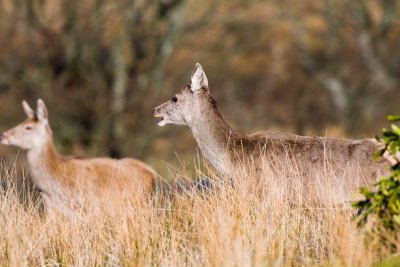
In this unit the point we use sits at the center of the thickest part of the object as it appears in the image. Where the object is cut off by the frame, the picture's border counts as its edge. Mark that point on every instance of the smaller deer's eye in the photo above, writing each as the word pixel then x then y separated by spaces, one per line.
pixel 28 128
pixel 174 99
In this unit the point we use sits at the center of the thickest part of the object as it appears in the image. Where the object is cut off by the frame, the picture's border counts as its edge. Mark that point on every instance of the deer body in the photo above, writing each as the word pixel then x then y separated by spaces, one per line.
pixel 66 181
pixel 227 149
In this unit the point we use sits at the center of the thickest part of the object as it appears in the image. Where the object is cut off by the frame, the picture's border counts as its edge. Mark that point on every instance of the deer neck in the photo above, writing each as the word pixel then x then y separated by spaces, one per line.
pixel 44 163
pixel 214 138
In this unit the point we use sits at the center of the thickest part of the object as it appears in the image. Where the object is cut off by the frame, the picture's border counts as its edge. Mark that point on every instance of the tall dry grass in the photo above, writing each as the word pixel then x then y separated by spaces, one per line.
pixel 249 220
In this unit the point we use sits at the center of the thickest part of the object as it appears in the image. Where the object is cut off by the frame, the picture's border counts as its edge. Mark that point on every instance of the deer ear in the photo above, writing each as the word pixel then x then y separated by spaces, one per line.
pixel 199 78
pixel 28 110
pixel 41 112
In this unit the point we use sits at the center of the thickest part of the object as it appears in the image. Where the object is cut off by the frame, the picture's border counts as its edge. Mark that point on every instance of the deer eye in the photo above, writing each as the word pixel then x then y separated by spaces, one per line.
pixel 28 128
pixel 174 99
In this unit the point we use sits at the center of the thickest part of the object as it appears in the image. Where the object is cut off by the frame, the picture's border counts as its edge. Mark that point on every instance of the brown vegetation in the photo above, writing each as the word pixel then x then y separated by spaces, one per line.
pixel 251 222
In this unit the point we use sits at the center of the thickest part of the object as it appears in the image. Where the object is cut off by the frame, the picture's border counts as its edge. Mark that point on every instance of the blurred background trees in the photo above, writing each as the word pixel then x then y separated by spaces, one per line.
pixel 310 67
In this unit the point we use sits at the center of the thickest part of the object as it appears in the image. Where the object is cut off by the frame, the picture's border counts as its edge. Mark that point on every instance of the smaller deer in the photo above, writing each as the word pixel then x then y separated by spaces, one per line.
pixel 65 181
pixel 227 149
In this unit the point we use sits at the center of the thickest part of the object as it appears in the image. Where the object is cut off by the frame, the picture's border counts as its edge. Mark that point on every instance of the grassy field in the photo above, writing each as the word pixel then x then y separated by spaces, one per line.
pixel 250 220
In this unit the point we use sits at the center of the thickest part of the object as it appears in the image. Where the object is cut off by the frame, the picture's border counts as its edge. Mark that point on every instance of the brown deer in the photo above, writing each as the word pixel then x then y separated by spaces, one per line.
pixel 227 149
pixel 65 181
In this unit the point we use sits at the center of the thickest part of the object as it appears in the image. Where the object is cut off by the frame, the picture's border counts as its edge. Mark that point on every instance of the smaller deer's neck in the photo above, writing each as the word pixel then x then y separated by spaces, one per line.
pixel 44 163
pixel 214 138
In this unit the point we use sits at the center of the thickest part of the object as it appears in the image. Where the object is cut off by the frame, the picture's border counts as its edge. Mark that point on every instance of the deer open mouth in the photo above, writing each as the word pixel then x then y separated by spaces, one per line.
pixel 4 140
pixel 160 120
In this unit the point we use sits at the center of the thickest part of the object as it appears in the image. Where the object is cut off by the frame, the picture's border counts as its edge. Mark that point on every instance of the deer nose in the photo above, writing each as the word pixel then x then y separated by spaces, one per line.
pixel 153 112
pixel 1 137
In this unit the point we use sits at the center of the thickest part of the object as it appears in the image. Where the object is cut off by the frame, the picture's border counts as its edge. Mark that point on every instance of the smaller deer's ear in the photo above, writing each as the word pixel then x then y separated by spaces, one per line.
pixel 41 112
pixel 199 78
pixel 28 110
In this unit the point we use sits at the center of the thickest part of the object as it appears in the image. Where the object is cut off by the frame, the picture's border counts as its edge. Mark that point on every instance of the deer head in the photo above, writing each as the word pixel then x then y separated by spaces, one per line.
pixel 31 133
pixel 188 105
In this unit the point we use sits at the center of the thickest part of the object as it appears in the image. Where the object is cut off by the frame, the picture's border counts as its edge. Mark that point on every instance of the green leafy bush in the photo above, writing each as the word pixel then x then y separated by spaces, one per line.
pixel 382 200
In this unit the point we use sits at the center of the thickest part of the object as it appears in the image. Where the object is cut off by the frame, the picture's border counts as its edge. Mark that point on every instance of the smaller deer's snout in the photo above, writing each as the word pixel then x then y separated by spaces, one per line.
pixel 153 112
pixel 2 136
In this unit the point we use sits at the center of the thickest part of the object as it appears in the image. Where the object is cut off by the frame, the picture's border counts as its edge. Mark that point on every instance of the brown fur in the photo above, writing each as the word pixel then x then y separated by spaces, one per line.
pixel 100 175
pixel 305 150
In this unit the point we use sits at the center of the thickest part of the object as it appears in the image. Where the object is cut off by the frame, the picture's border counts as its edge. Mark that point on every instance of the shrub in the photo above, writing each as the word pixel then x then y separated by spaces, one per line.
pixel 382 200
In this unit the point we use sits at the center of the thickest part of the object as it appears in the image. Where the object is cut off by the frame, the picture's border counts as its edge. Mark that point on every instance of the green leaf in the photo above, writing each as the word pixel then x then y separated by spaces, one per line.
pixel 393 118
pixel 396 129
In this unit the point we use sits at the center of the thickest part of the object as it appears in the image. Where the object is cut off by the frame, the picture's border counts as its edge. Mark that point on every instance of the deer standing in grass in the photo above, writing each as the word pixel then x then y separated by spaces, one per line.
pixel 227 149
pixel 66 181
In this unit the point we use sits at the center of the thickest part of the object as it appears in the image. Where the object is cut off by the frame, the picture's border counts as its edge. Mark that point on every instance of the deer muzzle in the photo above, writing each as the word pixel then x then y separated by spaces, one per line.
pixel 3 139
pixel 157 114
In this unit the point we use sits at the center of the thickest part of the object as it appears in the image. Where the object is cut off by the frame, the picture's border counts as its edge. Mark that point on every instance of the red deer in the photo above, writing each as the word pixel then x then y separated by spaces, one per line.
pixel 64 180
pixel 227 149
